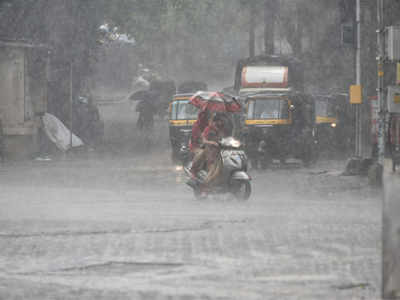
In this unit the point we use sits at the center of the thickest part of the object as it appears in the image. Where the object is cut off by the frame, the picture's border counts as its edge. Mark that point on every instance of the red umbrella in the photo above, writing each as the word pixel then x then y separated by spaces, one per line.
pixel 214 101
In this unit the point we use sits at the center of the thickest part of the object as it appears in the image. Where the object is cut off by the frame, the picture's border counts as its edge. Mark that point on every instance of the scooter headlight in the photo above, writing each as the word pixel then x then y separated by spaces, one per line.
pixel 235 143
pixel 333 125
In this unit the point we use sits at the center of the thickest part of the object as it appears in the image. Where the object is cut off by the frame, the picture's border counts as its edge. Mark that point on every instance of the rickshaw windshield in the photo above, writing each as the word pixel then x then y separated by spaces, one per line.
pixel 264 109
pixel 324 108
pixel 183 110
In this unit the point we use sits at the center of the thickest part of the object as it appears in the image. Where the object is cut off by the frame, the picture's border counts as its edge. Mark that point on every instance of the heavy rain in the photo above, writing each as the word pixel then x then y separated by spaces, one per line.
pixel 182 149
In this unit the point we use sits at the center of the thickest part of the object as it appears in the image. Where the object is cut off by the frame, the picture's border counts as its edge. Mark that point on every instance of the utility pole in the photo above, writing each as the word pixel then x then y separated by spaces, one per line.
pixel 355 164
pixel 381 99
pixel 270 9
pixel 252 29
pixel 71 101
pixel 358 143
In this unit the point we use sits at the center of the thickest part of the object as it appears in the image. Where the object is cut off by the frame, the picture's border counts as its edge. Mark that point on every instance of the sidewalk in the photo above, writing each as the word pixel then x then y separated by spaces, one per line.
pixel 391 232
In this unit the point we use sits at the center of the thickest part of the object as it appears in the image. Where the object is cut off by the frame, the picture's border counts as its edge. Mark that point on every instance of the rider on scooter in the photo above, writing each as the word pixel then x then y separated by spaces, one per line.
pixel 211 135
pixel 195 144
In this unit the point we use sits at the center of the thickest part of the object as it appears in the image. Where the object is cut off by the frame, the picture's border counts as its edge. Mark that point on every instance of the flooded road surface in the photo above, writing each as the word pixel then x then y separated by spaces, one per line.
pixel 115 224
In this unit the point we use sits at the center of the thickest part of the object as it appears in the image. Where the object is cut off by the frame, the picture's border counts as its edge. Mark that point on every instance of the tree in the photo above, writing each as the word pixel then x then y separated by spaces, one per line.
pixel 270 12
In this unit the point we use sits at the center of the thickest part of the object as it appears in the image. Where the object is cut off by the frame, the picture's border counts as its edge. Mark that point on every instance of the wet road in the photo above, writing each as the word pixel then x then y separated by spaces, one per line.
pixel 107 226
pixel 123 229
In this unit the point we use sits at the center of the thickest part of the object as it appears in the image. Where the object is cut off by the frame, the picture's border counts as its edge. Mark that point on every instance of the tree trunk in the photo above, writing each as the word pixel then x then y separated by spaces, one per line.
pixel 270 10
pixel 252 29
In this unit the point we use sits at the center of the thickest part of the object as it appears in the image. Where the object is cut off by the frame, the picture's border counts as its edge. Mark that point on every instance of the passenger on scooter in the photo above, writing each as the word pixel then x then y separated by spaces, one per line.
pixel 195 144
pixel 211 135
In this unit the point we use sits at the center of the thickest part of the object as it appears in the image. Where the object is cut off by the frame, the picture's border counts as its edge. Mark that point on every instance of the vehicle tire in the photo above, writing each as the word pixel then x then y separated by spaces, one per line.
pixel 241 189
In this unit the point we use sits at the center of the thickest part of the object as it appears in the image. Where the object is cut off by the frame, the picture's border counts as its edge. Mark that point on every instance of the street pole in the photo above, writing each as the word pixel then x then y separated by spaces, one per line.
pixel 358 150
pixel 70 104
pixel 381 99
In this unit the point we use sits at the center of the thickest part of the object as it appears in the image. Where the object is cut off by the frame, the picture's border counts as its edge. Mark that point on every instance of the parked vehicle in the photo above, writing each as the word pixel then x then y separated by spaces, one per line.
pixel 182 115
pixel 233 176
pixel 279 121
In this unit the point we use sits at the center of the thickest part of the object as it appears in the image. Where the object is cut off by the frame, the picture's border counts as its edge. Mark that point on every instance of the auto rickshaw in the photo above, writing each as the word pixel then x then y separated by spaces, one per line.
pixel 182 116
pixel 280 118
pixel 333 118
pixel 327 121
pixel 278 126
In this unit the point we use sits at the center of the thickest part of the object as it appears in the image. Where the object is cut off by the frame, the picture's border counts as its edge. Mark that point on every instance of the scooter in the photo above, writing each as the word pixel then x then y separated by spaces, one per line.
pixel 234 178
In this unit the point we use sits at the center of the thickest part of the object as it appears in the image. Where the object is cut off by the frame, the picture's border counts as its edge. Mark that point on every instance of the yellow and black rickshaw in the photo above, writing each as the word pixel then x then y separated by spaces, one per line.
pixel 278 126
pixel 182 116
pixel 279 118
pixel 331 117
pixel 326 113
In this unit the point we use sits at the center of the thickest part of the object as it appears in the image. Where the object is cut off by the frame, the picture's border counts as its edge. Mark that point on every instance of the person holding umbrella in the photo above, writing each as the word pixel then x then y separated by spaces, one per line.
pixel 208 102
pixel 195 143
pixel 213 133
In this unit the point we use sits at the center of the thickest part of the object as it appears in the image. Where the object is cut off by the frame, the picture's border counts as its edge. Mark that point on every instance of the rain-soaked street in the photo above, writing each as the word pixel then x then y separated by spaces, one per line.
pixel 118 223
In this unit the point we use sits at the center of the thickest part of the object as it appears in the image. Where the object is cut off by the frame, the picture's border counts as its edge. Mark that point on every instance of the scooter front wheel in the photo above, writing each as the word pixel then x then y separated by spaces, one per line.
pixel 198 194
pixel 241 189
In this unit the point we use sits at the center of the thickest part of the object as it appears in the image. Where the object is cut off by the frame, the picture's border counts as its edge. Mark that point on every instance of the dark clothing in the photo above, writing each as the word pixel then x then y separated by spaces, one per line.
pixel 146 114
pixel 87 123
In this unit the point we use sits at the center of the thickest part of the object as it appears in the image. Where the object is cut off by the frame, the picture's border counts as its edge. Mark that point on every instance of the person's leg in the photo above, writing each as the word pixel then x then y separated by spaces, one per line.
pixel 214 172
pixel 198 160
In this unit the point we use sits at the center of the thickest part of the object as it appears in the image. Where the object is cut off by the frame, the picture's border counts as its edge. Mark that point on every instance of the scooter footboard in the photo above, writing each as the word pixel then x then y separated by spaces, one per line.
pixel 240 175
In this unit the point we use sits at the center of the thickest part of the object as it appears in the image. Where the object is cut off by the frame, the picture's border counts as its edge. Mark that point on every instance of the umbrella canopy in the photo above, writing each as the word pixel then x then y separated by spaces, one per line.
pixel 214 101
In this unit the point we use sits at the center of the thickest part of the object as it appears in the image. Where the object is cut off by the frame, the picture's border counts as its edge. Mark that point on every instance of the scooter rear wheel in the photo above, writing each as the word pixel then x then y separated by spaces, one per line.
pixel 241 190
